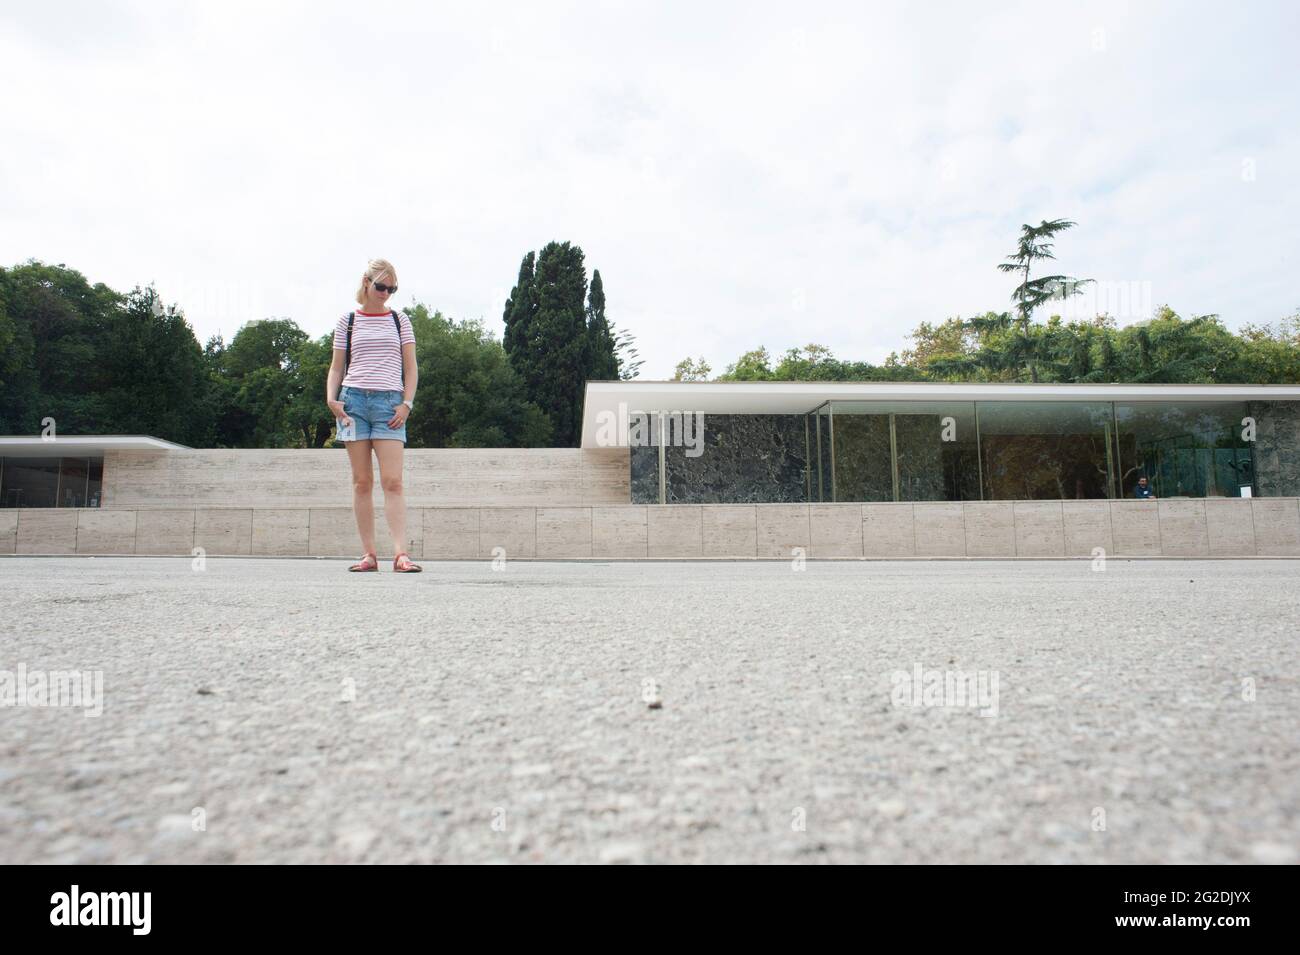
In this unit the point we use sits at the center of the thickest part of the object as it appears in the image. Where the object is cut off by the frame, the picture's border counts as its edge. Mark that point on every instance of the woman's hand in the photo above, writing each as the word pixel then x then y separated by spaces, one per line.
pixel 336 408
pixel 400 414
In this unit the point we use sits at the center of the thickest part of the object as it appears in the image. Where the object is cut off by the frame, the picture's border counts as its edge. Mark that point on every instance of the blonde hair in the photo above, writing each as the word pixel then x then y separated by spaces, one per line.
pixel 377 269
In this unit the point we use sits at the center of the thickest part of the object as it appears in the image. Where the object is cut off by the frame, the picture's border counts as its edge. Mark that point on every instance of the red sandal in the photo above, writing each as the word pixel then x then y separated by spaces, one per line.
pixel 369 563
pixel 407 566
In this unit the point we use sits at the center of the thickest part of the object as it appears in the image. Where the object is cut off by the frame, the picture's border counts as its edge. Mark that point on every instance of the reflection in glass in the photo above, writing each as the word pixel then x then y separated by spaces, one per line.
pixel 29 482
pixel 863 470
pixel 51 482
pixel 905 451
pixel 94 482
pixel 1046 450
pixel 821 436
pixel 1184 449
pixel 72 482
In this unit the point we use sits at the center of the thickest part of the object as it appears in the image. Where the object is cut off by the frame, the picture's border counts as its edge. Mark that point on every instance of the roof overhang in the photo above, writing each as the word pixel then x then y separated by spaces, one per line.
pixel 611 402
pixel 25 446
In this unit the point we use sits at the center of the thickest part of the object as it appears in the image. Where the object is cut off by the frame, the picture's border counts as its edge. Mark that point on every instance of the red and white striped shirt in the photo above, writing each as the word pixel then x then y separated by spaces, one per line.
pixel 376 350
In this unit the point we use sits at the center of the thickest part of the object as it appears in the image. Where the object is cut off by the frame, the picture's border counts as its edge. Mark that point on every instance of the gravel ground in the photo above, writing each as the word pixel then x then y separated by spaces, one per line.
pixel 302 714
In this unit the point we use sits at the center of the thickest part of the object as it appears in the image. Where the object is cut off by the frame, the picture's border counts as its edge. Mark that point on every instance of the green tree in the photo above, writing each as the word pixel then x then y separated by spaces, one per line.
pixel 812 362
pixel 559 340
pixel 1168 349
pixel 96 361
pixel 601 347
pixel 558 336
pixel 1271 352
pixel 1035 245
pixel 629 360
pixel 309 365
pixel 752 366
pixel 229 423
pixel 690 370
pixel 150 374
pixel 19 383
pixel 469 395
pixel 59 320
pixel 267 343
pixel 262 397
pixel 520 310
pixel 950 338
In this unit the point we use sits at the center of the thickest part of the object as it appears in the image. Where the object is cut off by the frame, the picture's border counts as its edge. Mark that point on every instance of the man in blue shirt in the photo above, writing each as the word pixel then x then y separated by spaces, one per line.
pixel 1143 489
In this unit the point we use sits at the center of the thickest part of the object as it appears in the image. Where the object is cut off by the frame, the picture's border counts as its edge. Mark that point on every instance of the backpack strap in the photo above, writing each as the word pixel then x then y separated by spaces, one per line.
pixel 347 353
pixel 400 358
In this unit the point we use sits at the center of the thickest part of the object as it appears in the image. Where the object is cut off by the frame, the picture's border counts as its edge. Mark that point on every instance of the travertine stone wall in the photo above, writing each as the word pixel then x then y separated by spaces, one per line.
pixel 431 476
pixel 1187 527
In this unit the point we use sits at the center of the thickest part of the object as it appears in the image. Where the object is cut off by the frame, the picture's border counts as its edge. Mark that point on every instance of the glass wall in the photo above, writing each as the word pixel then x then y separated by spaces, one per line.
pixel 863 461
pixel 1046 450
pixel 1185 449
pixel 51 482
pixel 1027 450
pixel 94 482
pixel 823 474
pixel 899 451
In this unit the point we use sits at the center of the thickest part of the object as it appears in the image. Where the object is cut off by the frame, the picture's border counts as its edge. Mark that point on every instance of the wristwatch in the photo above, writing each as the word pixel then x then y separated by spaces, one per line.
pixel 410 406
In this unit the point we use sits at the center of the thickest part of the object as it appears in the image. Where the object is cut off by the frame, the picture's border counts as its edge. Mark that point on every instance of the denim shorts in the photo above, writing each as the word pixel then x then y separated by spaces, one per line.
pixel 372 410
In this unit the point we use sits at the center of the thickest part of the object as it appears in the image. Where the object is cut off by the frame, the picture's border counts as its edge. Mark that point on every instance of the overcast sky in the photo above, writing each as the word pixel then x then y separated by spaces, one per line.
pixel 742 176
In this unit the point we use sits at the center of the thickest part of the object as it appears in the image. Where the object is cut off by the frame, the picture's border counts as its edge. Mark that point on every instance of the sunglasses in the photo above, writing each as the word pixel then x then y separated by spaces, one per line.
pixel 381 287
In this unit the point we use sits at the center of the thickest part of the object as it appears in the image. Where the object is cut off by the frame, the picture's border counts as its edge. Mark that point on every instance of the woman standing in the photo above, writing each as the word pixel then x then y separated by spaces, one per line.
pixel 378 377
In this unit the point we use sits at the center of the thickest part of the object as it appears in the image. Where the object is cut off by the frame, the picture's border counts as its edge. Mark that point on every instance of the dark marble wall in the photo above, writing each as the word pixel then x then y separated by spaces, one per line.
pixel 645 475
pixel 920 457
pixel 862 458
pixel 745 459
pixel 862 469
pixel 1277 447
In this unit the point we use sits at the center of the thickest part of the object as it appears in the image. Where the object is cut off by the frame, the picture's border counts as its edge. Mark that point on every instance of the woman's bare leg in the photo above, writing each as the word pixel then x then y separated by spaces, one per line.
pixel 363 484
pixel 389 452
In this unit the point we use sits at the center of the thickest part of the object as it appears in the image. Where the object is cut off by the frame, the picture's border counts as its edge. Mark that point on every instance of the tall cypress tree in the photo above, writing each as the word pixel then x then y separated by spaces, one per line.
pixel 559 347
pixel 558 337
pixel 520 310
pixel 600 339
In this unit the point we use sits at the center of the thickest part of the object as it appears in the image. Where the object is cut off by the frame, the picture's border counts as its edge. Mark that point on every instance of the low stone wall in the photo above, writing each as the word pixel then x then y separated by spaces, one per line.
pixel 1183 527
pixel 285 479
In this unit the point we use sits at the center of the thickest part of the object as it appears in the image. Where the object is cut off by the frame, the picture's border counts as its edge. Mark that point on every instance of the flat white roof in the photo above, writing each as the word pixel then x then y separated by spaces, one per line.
pixel 27 446
pixel 603 398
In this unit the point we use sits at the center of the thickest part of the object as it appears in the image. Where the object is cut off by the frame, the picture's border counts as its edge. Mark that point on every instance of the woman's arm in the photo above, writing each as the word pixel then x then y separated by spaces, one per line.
pixel 412 376
pixel 410 371
pixel 332 382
